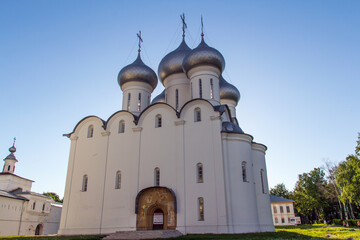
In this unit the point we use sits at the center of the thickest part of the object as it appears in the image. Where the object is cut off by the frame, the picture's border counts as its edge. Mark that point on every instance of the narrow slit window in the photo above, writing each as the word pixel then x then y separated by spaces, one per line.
pixel 9 168
pixel 90 131
pixel 128 102
pixel 33 206
pixel 139 102
pixel 262 180
pixel 121 126
pixel 199 172
pixel 191 90
pixel 243 168
pixel 200 88
pixel 157 176
pixel 85 183
pixel 118 180
pixel 177 99
pixel 211 89
pixel 148 103
pixel 201 208
pixel 43 207
pixel 197 115
pixel 158 121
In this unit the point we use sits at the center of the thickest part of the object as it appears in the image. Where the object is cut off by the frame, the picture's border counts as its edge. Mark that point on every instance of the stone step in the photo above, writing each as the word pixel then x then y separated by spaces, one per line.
pixel 143 234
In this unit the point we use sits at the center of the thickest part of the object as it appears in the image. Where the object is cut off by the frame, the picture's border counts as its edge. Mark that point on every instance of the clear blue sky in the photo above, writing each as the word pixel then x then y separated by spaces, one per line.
pixel 296 64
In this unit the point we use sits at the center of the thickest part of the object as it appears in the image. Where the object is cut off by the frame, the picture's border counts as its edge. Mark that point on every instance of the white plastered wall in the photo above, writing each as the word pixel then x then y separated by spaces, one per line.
pixel 82 210
pixel 262 198
pixel 179 82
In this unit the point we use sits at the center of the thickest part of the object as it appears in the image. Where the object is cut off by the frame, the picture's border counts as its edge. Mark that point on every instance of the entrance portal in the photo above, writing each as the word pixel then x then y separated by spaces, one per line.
pixel 155 208
pixel 39 229
pixel 158 219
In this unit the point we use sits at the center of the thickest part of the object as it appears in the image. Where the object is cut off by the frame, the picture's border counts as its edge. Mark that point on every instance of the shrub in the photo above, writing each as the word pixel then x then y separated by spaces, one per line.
pixel 352 222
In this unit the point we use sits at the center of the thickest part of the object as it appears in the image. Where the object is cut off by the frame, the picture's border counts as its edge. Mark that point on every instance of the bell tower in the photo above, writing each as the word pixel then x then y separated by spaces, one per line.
pixel 10 160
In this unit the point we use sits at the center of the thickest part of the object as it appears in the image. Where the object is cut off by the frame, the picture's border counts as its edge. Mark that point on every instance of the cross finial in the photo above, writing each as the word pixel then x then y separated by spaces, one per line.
pixel 140 40
pixel 14 141
pixel 184 24
pixel 202 28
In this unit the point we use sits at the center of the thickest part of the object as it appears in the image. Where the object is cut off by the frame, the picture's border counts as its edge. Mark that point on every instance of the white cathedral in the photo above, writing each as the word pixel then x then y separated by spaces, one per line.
pixel 180 162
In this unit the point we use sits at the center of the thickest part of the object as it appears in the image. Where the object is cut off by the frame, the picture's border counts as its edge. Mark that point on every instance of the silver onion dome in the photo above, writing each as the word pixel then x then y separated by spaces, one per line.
pixel 12 149
pixel 137 72
pixel 159 98
pixel 203 55
pixel 228 91
pixel 172 62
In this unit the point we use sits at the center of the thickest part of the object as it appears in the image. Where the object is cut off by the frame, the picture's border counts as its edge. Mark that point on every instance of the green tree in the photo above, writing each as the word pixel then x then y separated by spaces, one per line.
pixel 347 178
pixel 53 196
pixel 310 195
pixel 280 191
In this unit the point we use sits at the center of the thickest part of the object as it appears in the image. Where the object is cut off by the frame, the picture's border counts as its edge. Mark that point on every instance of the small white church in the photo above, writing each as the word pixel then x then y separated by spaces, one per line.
pixel 180 162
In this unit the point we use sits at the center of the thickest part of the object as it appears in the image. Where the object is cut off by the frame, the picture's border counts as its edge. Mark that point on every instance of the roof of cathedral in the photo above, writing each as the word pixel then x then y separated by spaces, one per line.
pixel 159 98
pixel 228 91
pixel 137 72
pixel 172 62
pixel 276 199
pixel 231 127
pixel 203 55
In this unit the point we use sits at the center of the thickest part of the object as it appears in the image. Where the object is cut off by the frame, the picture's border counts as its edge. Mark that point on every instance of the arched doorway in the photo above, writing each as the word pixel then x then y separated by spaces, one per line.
pixel 155 208
pixel 39 229
pixel 158 219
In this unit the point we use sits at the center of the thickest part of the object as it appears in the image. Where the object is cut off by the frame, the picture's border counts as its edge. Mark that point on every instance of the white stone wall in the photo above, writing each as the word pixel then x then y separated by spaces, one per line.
pixel 10 213
pixel 175 148
pixel 11 182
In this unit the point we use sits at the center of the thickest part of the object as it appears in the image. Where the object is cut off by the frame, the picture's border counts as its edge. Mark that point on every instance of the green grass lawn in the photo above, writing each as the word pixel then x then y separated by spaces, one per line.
pixel 316 232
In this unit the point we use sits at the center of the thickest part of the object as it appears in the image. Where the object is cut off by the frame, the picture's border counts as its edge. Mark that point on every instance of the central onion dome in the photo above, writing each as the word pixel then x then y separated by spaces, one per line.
pixel 203 55
pixel 228 91
pixel 137 72
pixel 172 62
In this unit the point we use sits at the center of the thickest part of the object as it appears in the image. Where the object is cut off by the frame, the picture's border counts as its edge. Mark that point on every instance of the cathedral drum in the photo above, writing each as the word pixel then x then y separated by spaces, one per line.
pixel 155 208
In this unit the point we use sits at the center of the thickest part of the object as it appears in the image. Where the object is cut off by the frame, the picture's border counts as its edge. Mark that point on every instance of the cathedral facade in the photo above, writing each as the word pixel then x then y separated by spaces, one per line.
pixel 179 162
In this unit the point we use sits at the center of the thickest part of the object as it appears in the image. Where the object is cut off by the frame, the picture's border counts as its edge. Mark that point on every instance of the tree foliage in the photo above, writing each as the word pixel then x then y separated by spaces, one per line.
pixel 348 177
pixel 280 191
pixel 53 196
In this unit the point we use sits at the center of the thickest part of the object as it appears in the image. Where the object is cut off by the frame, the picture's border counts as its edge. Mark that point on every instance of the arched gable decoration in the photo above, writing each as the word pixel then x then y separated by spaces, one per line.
pixel 82 120
pixel 145 189
pixel 219 108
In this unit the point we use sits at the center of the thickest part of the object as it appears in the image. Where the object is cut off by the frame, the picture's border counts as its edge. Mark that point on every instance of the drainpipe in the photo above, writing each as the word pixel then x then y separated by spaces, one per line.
pixel 22 210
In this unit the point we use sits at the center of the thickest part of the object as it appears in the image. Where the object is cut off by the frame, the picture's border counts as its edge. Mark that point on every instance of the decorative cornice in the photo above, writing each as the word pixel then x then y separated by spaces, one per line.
pixel 106 133
pixel 212 118
pixel 137 129
pixel 179 122
pixel 74 138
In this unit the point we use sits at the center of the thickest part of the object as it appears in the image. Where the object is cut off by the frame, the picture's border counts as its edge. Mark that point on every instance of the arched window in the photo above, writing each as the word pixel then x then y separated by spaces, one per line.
pixel 121 126
pixel 128 102
pixel 43 207
pixel 211 89
pixel 158 121
pixel 199 173
pixel 243 168
pixel 262 180
pixel 176 99
pixel 84 183
pixel 118 180
pixel 201 208
pixel 33 206
pixel 200 88
pixel 139 102
pixel 197 115
pixel 9 168
pixel 157 176
pixel 90 131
